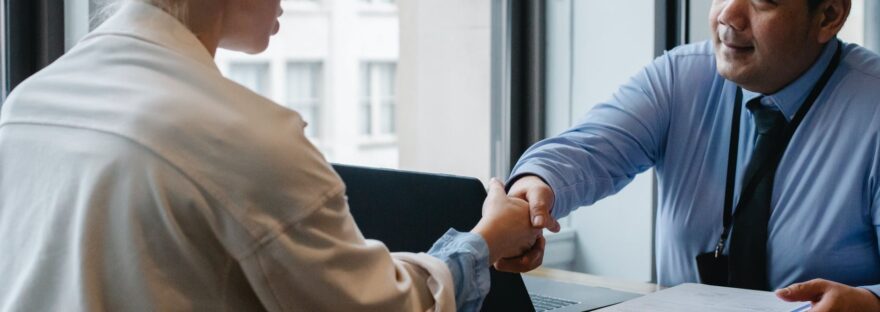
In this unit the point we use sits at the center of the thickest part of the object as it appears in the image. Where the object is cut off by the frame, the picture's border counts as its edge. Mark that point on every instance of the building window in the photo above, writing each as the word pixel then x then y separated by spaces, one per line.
pixel 304 90
pixel 254 76
pixel 377 105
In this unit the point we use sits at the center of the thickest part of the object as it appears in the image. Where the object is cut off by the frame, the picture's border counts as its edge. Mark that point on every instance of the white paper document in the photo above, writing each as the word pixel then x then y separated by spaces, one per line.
pixel 699 298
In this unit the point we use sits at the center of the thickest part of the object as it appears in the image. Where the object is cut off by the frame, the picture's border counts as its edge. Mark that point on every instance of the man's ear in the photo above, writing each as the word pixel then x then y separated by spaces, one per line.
pixel 831 15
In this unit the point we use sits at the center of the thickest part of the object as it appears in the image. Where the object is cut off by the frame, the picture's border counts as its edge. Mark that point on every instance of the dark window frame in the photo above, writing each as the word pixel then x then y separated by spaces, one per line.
pixel 33 38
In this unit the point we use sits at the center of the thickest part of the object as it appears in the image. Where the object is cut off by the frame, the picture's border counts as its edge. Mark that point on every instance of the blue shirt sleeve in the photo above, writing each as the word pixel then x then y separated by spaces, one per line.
pixel 603 152
pixel 467 256
pixel 875 213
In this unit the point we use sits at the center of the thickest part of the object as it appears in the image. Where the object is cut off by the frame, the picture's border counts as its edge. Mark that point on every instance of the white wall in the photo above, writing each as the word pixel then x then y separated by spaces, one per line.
pixel 444 86
pixel 612 40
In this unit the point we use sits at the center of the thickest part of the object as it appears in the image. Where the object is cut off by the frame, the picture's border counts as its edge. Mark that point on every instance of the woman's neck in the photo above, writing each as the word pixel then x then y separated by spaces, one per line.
pixel 205 20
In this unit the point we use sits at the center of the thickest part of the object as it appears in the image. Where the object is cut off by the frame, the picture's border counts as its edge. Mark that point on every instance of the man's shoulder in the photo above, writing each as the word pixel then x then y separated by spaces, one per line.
pixel 862 61
pixel 691 59
pixel 702 50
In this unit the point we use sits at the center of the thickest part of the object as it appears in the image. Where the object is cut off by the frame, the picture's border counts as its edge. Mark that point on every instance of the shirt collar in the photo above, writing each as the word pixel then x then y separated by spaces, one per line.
pixel 789 99
pixel 147 22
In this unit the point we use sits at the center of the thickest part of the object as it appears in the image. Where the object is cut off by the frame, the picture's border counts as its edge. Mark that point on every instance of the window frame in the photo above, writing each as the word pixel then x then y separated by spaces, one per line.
pixel 33 36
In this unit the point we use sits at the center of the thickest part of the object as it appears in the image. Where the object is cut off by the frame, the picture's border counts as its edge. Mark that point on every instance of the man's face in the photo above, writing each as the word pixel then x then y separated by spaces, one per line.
pixel 762 45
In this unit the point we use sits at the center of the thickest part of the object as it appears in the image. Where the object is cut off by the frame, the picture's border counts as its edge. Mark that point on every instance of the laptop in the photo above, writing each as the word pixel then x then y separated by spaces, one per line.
pixel 409 211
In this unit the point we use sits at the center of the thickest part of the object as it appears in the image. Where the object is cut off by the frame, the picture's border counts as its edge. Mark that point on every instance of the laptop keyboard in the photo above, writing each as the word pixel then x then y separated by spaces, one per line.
pixel 544 303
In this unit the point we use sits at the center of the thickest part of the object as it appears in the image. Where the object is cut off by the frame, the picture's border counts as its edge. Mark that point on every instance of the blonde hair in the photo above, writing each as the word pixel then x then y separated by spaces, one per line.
pixel 106 8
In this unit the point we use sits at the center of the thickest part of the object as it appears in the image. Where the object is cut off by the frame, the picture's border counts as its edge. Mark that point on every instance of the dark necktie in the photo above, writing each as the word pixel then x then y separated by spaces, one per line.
pixel 748 241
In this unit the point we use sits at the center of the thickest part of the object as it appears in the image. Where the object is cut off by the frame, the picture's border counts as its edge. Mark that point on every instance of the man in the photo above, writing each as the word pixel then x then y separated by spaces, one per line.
pixel 803 186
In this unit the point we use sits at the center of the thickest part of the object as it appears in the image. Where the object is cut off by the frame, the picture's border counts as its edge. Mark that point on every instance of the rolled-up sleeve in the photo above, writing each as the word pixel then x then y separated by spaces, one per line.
pixel 467 256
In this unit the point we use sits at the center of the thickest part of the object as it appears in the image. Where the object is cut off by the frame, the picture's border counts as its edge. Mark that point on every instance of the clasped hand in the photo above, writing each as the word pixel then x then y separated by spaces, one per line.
pixel 505 225
pixel 512 224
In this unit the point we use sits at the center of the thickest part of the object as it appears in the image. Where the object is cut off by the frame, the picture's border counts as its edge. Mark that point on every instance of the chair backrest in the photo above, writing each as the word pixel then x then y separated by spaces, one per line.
pixel 409 211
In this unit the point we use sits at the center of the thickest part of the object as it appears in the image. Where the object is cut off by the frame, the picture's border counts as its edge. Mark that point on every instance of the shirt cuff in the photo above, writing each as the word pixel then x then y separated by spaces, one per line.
pixel 874 289
pixel 560 207
pixel 467 256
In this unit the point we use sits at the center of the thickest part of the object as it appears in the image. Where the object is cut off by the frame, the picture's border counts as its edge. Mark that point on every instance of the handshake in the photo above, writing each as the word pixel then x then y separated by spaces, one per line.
pixel 512 224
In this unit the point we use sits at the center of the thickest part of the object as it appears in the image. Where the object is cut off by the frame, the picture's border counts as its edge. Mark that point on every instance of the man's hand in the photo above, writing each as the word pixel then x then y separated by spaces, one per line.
pixel 505 224
pixel 540 199
pixel 830 296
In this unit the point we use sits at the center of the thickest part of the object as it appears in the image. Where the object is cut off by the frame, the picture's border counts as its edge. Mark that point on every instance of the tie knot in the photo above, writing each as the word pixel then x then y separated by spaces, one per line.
pixel 766 119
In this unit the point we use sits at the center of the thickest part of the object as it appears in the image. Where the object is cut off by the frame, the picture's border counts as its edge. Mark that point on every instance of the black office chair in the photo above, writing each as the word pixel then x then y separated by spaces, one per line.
pixel 409 211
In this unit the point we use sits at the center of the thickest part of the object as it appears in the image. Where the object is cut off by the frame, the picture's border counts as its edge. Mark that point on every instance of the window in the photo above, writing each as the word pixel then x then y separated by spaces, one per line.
pixel 363 111
pixel 377 99
pixel 592 49
pixel 304 93
pixel 254 76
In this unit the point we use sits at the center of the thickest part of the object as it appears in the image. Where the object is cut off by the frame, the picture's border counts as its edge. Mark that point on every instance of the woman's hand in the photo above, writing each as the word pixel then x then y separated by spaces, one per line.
pixel 505 224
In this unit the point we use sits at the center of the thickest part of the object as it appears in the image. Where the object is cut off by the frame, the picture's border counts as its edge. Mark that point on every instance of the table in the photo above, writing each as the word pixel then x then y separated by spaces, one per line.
pixel 641 288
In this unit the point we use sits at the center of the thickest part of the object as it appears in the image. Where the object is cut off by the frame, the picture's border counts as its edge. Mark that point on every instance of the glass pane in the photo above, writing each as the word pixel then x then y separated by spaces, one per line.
pixel 365 83
pixel 388 116
pixel 386 79
pixel 366 118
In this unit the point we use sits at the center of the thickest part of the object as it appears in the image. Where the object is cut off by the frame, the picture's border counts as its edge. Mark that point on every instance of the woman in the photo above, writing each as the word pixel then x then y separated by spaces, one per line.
pixel 134 176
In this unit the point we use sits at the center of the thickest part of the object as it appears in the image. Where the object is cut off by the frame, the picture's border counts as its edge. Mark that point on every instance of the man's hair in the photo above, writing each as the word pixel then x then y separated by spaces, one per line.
pixel 814 4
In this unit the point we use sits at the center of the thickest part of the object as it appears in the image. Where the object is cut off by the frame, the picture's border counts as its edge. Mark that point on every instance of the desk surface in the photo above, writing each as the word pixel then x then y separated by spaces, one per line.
pixel 593 280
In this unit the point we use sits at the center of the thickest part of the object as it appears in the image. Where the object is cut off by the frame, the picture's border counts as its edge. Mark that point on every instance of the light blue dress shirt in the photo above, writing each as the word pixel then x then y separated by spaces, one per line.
pixel 467 256
pixel 675 116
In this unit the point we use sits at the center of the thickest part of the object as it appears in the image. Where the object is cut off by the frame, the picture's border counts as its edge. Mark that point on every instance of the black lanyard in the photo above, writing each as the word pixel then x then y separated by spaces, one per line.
pixel 790 129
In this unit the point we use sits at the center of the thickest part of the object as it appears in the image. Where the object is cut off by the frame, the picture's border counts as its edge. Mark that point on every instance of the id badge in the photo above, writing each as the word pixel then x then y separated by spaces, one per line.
pixel 713 268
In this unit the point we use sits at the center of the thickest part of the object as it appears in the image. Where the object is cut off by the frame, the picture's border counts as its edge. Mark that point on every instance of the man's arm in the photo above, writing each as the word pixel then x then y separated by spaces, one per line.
pixel 597 157
pixel 603 152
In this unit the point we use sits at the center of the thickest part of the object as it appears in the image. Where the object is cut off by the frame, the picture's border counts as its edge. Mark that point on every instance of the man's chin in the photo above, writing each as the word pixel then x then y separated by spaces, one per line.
pixel 734 73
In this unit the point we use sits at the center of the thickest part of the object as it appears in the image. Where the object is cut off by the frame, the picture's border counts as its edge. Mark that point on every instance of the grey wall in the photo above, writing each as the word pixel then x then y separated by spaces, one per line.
pixel 699 19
